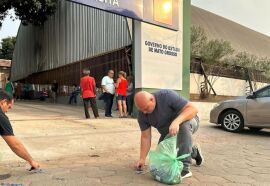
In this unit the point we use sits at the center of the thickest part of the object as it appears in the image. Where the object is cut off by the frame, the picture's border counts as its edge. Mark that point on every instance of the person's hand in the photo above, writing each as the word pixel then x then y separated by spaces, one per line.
pixel 139 164
pixel 34 164
pixel 174 128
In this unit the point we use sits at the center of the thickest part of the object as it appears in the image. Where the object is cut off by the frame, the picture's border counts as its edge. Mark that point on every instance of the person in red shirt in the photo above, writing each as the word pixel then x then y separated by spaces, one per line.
pixel 121 90
pixel 88 93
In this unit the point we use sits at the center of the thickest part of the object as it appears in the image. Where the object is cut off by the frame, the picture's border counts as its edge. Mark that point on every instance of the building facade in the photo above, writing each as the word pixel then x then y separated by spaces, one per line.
pixel 79 36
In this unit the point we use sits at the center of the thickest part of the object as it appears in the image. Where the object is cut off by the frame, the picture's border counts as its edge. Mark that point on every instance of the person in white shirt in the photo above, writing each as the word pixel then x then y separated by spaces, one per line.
pixel 108 88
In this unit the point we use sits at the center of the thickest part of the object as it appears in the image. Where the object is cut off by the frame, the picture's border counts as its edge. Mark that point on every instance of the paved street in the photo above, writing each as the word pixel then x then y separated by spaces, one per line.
pixel 74 151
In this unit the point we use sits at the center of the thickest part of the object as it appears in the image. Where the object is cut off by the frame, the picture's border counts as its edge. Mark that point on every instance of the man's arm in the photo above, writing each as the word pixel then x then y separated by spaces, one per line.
pixel 187 113
pixel 104 88
pixel 18 148
pixel 145 147
pixel 103 85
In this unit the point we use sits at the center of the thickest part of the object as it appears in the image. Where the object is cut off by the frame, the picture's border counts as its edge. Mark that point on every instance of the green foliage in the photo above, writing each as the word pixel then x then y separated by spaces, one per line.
pixel 35 12
pixel 198 40
pixel 216 50
pixel 220 52
pixel 250 61
pixel 8 45
pixel 264 65
pixel 243 59
pixel 210 51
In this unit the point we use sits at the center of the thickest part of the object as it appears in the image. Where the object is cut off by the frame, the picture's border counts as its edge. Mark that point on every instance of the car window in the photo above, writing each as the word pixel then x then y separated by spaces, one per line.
pixel 264 93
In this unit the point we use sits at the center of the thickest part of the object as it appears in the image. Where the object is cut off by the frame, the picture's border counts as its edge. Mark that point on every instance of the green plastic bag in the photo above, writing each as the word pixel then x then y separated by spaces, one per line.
pixel 164 164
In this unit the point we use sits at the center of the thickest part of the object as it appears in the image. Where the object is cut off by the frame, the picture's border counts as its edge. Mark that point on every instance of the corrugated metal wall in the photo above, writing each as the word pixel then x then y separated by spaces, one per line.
pixel 70 74
pixel 74 33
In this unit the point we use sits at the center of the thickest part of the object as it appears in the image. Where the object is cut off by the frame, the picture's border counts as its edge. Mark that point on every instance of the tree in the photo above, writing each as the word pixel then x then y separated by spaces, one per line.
pixel 210 51
pixel 35 12
pixel 216 50
pixel 243 59
pixel 264 65
pixel 217 53
pixel 198 40
pixel 251 62
pixel 8 45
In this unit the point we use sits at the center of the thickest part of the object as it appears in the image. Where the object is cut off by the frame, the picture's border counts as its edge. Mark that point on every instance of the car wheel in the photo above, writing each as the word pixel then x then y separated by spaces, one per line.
pixel 255 129
pixel 232 121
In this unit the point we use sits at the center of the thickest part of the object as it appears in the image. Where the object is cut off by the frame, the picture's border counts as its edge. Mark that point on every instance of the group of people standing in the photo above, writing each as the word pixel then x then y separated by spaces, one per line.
pixel 122 89
pixel 18 90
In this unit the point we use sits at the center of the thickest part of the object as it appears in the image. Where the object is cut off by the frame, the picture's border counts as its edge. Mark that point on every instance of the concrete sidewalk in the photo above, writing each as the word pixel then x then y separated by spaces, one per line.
pixel 75 151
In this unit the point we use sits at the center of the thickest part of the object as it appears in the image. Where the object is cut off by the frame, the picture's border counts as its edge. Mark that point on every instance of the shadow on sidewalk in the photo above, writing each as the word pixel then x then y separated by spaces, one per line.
pixel 245 131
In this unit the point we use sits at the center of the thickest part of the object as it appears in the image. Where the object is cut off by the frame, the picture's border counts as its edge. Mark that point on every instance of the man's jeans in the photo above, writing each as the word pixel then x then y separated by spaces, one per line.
pixel 108 99
pixel 184 141
pixel 73 97
pixel 130 99
pixel 93 103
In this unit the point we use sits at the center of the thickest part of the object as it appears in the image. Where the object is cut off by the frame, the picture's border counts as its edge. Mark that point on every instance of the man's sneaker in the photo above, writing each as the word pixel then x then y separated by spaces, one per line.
pixel 199 158
pixel 186 174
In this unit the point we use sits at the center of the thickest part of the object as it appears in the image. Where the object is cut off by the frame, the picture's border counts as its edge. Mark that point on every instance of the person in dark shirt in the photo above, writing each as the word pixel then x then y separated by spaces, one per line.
pixel 54 91
pixel 6 131
pixel 172 115
pixel 74 94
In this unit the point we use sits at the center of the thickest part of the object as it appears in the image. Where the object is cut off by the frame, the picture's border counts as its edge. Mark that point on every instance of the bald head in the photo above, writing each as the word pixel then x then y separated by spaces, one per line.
pixel 145 102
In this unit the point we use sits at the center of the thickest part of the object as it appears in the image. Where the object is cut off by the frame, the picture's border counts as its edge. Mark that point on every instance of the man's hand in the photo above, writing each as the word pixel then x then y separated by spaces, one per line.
pixel 139 164
pixel 104 88
pixel 34 164
pixel 18 148
pixel 145 147
pixel 174 128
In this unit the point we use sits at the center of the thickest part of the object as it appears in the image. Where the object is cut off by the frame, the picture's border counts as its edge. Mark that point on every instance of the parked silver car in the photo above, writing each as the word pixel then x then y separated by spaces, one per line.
pixel 252 111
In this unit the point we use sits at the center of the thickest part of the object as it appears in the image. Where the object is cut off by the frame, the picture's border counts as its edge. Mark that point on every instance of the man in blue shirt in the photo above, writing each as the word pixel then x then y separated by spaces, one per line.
pixel 170 114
